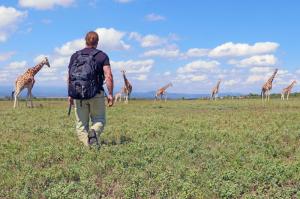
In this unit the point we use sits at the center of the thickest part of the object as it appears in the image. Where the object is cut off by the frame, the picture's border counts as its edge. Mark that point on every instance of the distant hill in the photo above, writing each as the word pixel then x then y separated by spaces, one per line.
pixel 62 92
pixel 37 91
pixel 150 95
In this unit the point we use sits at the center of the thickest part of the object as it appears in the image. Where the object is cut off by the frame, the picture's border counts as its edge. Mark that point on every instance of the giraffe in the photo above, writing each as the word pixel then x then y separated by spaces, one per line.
pixel 286 91
pixel 27 81
pixel 266 88
pixel 118 96
pixel 215 91
pixel 127 89
pixel 162 91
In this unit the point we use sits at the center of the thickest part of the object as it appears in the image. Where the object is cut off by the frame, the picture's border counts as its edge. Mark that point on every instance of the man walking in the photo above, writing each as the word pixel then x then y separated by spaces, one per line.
pixel 88 68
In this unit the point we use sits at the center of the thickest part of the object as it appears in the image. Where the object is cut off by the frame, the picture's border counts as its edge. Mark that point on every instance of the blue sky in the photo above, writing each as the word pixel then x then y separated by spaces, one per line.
pixel 189 43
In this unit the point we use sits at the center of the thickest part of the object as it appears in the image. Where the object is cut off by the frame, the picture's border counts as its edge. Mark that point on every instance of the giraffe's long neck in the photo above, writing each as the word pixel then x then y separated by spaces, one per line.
pixel 270 80
pixel 166 87
pixel 37 68
pixel 290 86
pixel 218 85
pixel 127 84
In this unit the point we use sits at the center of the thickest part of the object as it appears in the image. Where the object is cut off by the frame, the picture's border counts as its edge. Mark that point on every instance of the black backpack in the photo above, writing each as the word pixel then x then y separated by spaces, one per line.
pixel 84 78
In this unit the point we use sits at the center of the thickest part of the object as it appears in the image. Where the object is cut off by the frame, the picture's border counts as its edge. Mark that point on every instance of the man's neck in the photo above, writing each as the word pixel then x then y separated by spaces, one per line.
pixel 90 46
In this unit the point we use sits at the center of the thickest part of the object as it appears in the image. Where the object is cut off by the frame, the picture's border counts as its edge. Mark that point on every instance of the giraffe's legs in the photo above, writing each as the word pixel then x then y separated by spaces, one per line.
pixel 282 96
pixel 17 93
pixel 268 95
pixel 29 93
pixel 126 99
pixel 29 97
pixel 156 97
pixel 117 96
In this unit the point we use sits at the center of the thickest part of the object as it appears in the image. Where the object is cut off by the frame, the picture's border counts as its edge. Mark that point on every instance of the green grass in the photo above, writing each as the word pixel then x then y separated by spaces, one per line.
pixel 178 149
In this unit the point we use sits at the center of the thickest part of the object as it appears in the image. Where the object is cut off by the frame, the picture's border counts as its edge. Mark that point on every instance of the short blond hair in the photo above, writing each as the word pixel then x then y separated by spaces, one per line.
pixel 91 39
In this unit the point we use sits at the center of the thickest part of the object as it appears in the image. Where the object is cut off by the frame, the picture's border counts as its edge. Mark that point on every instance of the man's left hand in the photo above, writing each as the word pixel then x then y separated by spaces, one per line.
pixel 110 100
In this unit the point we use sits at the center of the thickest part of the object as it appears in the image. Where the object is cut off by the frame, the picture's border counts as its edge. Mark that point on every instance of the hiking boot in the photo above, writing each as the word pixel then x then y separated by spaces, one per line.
pixel 93 139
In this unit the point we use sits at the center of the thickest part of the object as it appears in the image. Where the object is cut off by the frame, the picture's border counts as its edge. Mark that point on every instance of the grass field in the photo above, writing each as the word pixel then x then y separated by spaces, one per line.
pixel 178 149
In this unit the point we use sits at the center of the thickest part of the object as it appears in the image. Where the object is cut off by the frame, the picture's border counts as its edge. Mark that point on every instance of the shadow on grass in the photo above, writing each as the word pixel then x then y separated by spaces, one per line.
pixel 116 140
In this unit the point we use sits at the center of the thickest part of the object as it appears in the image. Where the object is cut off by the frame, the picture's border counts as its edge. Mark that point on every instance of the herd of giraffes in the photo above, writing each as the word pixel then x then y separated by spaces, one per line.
pixel 26 80
pixel 265 90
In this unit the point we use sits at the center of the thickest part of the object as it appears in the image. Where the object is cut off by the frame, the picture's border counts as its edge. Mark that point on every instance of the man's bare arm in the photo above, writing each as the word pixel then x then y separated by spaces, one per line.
pixel 108 79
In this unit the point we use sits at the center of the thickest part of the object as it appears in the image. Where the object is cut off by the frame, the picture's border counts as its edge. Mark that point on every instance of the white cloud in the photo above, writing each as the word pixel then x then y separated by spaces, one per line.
pixel 198 65
pixel 109 39
pixel 17 65
pixel 60 62
pixel 167 73
pixel 141 77
pixel 10 72
pixel 39 58
pixel 282 72
pixel 10 75
pixel 231 82
pixel 47 78
pixel 197 52
pixel 50 76
pixel 149 40
pixel 5 56
pixel 261 69
pixel 155 17
pixel 261 74
pixel 241 49
pixel 45 4
pixel 46 21
pixel 136 70
pixel 3 77
pixel 255 78
pixel 133 66
pixel 285 82
pixel 9 18
pixel 198 77
pixel 57 70
pixel 188 78
pixel 70 47
pixel 162 52
pixel 257 60
pixel 123 1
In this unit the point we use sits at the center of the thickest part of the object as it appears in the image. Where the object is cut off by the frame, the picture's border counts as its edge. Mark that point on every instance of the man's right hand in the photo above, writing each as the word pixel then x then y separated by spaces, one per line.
pixel 70 100
pixel 110 100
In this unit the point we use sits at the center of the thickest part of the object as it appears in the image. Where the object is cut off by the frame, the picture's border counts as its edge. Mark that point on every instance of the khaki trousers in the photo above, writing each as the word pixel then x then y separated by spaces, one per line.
pixel 90 110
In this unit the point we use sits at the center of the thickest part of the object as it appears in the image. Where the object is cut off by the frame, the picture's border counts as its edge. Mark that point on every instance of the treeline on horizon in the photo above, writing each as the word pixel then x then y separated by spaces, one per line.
pixel 248 96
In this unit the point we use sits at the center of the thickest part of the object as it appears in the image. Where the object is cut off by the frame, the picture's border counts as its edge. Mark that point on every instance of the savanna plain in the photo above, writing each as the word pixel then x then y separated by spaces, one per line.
pixel 178 149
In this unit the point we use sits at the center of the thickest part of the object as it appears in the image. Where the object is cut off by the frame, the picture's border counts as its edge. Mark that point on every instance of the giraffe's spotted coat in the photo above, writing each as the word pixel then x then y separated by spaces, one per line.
pixel 127 88
pixel 26 80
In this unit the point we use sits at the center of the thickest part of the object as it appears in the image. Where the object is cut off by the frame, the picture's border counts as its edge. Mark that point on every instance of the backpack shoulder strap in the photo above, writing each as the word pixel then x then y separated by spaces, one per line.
pixel 78 52
pixel 94 52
